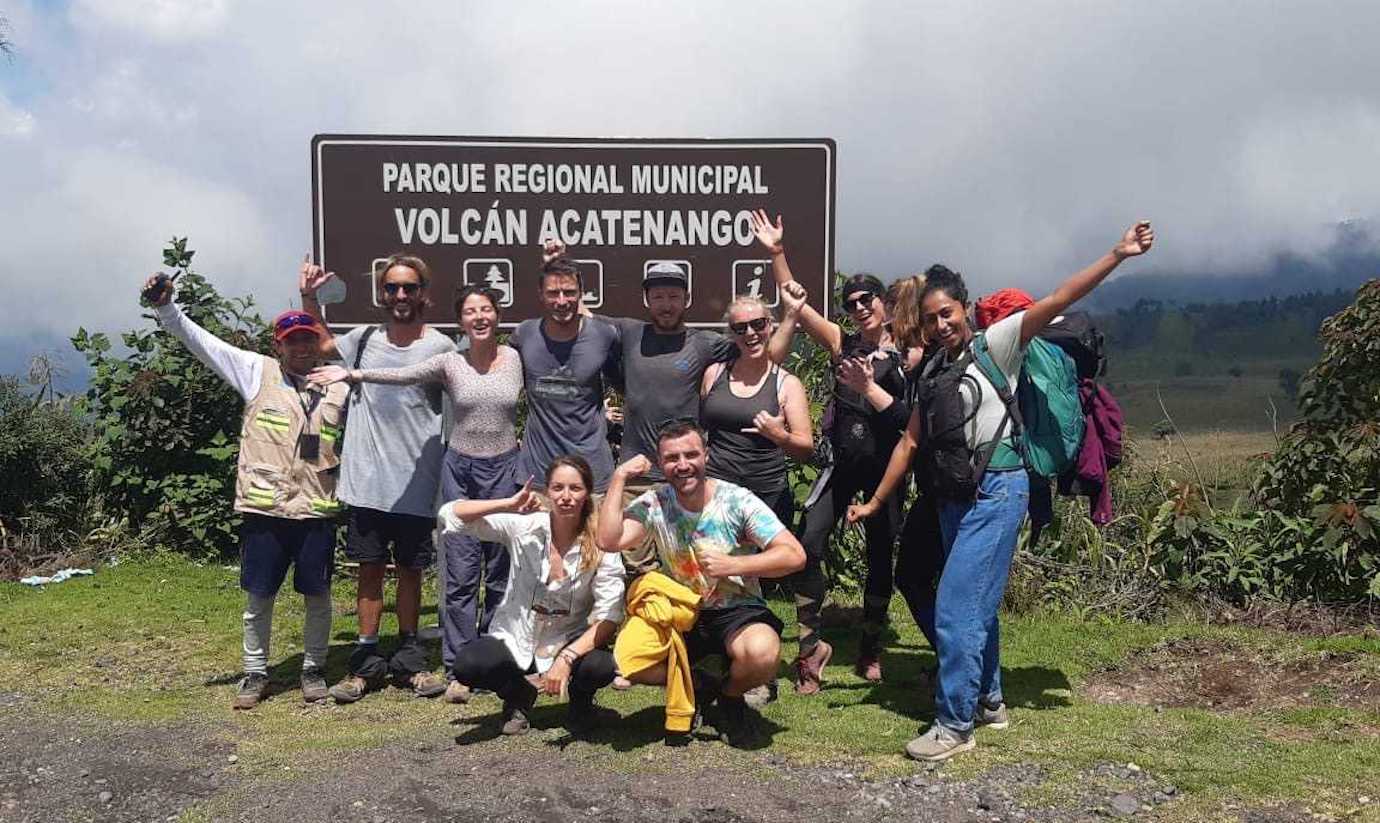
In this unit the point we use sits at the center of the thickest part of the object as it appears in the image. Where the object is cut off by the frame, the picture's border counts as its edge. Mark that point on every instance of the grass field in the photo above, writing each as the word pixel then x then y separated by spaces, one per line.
pixel 1200 404
pixel 157 640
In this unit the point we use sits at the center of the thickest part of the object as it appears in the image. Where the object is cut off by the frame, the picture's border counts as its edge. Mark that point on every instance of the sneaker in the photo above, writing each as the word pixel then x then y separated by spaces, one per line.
pixel 427 684
pixel 993 717
pixel 869 668
pixel 939 742
pixel 352 688
pixel 515 710
pixel 621 683
pixel 313 684
pixel 253 688
pixel 456 693
pixel 809 671
pixel 737 724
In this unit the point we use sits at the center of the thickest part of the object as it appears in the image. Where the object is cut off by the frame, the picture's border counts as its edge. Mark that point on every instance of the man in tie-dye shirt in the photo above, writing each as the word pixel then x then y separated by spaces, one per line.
pixel 718 539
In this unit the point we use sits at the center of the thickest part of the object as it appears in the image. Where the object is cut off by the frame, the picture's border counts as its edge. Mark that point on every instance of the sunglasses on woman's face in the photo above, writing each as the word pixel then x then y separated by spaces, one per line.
pixel 756 324
pixel 392 289
pixel 863 299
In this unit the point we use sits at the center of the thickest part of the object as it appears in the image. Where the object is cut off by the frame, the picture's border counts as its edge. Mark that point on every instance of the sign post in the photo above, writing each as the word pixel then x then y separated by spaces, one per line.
pixel 478 209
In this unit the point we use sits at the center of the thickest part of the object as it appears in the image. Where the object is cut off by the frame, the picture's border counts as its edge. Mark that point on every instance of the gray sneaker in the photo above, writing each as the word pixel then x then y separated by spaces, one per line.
pixel 313 684
pixel 993 717
pixel 939 742
pixel 252 689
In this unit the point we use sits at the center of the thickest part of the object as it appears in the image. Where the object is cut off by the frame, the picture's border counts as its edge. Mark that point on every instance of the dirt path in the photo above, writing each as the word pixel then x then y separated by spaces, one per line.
pixel 75 769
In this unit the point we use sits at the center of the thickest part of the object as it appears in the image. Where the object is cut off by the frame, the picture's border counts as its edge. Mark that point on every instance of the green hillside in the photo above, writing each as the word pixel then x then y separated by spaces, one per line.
pixel 1215 365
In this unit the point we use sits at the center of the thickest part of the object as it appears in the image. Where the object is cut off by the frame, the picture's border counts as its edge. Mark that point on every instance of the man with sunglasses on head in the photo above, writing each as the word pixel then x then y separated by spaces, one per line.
pixel 564 354
pixel 391 471
pixel 285 482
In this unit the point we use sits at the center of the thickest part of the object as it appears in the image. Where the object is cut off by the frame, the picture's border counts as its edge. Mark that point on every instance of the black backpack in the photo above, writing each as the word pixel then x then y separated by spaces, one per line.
pixel 944 465
pixel 1075 333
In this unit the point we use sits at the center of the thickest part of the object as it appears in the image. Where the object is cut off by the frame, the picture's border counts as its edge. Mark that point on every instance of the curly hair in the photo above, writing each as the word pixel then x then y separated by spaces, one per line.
pixel 940 277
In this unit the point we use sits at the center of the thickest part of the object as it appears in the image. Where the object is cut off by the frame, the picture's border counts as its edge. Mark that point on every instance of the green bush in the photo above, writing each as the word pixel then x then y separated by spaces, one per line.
pixel 43 460
pixel 166 428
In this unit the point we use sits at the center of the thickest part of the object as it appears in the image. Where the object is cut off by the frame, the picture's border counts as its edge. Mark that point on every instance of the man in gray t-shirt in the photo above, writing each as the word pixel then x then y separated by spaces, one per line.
pixel 390 471
pixel 563 359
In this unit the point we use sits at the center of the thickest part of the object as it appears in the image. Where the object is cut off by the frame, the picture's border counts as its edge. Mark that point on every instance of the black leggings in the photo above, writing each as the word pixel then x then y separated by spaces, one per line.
pixel 486 663
pixel 919 562
pixel 843 485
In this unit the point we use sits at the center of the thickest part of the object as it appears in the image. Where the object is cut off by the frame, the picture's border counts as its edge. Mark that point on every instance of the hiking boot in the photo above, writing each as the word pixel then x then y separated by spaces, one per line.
pixel 313 684
pixel 809 670
pixel 427 684
pixel 350 689
pixel 580 717
pixel 993 717
pixel 939 742
pixel 737 724
pixel 253 688
pixel 515 710
pixel 456 693
pixel 869 668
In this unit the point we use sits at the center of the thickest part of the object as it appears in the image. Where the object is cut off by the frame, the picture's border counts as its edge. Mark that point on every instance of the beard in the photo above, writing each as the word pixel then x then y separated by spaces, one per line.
pixel 408 312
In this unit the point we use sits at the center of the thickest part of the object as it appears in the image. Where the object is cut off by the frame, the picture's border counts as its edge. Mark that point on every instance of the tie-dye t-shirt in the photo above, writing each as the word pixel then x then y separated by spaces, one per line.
pixel 734 521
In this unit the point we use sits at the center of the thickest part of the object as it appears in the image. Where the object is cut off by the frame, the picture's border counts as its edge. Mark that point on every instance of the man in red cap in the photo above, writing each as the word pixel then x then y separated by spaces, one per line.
pixel 284 485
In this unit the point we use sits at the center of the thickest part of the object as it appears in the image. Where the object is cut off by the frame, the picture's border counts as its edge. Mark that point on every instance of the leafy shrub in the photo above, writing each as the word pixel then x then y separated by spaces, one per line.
pixel 1324 480
pixel 43 460
pixel 166 427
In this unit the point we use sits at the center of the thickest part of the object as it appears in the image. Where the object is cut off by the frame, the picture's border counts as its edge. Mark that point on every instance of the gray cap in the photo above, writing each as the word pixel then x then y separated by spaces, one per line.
pixel 665 274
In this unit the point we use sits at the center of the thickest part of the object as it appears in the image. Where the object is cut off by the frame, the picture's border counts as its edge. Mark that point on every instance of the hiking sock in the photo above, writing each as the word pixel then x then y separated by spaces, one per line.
pixel 316 630
pixel 258 632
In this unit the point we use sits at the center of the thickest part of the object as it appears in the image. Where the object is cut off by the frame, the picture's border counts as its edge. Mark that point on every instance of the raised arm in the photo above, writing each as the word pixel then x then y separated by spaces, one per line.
pixel 617 532
pixel 243 370
pixel 311 278
pixel 1136 241
pixel 771 235
pixel 896 467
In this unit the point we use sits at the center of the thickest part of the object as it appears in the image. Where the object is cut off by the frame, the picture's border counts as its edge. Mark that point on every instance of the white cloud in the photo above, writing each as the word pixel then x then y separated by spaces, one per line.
pixel 155 19
pixel 1013 140
pixel 15 122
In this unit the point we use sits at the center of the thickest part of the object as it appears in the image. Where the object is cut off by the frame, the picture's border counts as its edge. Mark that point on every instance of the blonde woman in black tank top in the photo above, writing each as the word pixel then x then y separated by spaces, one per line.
pixel 755 413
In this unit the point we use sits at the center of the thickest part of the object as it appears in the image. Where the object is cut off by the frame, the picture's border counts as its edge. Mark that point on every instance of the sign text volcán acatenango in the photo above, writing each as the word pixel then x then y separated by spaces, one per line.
pixel 478 209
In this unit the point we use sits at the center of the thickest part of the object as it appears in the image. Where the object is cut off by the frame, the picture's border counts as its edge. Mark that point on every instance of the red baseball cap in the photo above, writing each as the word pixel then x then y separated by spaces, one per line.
pixel 293 321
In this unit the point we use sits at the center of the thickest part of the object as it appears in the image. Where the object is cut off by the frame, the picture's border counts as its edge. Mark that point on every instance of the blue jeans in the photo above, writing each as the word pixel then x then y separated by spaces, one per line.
pixel 979 541
pixel 472 478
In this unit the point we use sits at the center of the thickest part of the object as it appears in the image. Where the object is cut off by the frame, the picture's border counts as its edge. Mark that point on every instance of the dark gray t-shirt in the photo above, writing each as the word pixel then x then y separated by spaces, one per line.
pixel 565 398
pixel 393 447
pixel 661 380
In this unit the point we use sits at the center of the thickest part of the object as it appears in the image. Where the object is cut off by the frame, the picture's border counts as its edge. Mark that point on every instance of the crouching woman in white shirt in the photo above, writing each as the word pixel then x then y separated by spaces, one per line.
pixel 564 600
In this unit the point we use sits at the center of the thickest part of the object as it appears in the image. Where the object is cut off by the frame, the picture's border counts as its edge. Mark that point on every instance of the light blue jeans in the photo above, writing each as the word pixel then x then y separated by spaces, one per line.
pixel 979 541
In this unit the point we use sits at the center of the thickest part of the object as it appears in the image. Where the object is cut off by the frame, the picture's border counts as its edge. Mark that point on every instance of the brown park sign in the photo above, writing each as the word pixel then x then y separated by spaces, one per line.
pixel 477 210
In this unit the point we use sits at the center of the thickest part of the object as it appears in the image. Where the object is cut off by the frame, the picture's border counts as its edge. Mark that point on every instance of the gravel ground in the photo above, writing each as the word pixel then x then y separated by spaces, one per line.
pixel 74 769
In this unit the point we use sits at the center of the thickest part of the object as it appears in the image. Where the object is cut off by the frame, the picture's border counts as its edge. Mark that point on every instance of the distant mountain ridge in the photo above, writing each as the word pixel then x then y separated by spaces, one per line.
pixel 1352 259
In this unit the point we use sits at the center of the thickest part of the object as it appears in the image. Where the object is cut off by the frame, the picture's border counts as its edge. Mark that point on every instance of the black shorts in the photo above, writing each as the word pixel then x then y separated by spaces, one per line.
pixel 371 533
pixel 268 545
pixel 714 626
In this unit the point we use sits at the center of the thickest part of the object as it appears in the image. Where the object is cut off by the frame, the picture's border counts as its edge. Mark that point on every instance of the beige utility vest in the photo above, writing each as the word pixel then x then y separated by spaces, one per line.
pixel 273 479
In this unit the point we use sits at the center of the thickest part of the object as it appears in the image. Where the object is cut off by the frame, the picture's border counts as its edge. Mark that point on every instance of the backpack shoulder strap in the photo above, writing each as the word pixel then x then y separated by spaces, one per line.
pixel 982 356
pixel 363 342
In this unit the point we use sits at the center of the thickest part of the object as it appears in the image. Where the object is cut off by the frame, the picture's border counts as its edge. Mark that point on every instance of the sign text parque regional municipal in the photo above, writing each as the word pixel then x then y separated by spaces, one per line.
pixel 478 209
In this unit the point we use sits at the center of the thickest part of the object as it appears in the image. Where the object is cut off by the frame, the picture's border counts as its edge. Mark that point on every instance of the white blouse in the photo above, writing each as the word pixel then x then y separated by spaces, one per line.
pixel 538 618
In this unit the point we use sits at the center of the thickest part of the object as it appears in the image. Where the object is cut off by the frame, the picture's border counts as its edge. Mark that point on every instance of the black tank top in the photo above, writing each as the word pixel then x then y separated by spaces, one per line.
pixel 860 433
pixel 750 460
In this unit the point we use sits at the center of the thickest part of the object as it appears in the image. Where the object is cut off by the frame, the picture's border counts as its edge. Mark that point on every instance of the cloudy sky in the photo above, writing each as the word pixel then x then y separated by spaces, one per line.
pixel 1012 139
